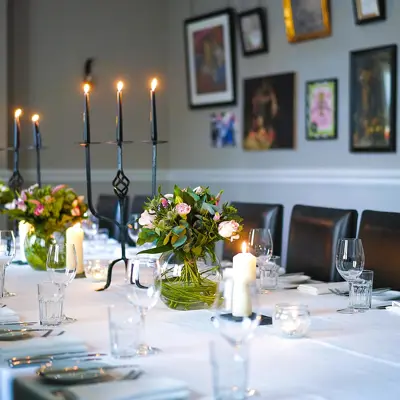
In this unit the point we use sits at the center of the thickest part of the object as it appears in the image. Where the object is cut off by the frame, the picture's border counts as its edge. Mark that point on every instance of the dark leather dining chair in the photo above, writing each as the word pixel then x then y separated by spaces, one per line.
pixel 256 215
pixel 108 206
pixel 380 235
pixel 313 237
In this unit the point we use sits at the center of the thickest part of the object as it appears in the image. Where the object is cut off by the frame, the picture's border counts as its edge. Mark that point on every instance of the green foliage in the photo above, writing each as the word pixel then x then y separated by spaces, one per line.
pixel 186 222
pixel 6 194
pixel 48 209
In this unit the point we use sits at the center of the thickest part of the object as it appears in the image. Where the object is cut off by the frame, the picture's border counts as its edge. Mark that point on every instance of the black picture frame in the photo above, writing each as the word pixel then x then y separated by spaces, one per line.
pixel 260 14
pixel 380 15
pixel 372 119
pixel 210 84
pixel 329 87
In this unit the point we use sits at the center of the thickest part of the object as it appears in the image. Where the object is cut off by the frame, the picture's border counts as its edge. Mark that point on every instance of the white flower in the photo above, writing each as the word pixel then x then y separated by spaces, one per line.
pixel 3 188
pixel 227 229
pixel 11 206
pixel 146 219
pixel 32 188
pixel 169 196
pixel 198 190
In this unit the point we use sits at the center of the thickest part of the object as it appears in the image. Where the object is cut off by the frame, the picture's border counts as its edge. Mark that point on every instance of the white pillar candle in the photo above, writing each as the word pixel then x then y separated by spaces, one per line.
pixel 244 274
pixel 74 236
pixel 228 287
pixel 23 229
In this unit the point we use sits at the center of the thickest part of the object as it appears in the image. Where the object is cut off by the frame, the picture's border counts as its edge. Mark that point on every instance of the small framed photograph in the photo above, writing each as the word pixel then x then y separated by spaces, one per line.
pixel 253 31
pixel 321 109
pixel 210 59
pixel 373 96
pixel 306 19
pixel 366 11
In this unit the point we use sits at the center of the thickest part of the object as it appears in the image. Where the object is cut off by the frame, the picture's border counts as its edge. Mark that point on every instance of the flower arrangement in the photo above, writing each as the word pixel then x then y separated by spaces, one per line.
pixel 188 223
pixel 48 209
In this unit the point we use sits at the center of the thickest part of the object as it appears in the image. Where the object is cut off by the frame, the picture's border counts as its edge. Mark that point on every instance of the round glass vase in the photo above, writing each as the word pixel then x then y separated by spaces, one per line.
pixel 189 283
pixel 36 246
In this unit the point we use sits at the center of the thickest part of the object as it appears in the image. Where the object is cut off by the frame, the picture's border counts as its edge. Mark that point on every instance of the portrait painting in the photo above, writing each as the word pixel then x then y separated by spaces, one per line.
pixel 269 112
pixel 366 11
pixel 253 31
pixel 223 129
pixel 306 19
pixel 321 109
pixel 210 59
pixel 373 84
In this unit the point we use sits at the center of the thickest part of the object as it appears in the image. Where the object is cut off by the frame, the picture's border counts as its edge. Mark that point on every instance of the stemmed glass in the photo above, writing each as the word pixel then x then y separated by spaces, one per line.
pixel 261 245
pixel 7 254
pixel 236 315
pixel 134 228
pixel 144 295
pixel 90 226
pixel 61 266
pixel 350 260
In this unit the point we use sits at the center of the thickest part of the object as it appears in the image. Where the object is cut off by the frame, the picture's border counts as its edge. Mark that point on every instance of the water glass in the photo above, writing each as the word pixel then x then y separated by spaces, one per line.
pixel 269 273
pixel 361 291
pixel 51 299
pixel 292 320
pixel 124 327
pixel 7 254
pixel 229 369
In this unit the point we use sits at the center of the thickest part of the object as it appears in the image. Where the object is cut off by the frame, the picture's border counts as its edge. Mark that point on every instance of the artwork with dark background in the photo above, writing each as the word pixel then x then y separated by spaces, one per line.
pixel 269 110
pixel 223 129
pixel 373 83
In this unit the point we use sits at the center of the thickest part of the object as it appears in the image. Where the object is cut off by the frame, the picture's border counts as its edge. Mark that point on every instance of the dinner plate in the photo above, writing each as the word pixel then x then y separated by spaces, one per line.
pixel 294 279
pixel 387 296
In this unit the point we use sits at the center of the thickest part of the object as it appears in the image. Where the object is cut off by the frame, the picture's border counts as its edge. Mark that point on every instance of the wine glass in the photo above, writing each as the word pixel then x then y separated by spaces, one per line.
pixel 90 226
pixel 61 266
pixel 350 260
pixel 144 295
pixel 261 245
pixel 7 254
pixel 134 227
pixel 236 314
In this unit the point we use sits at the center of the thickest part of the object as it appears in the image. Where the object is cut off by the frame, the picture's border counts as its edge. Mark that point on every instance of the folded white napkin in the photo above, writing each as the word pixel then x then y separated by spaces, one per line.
pixel 322 288
pixel 8 315
pixel 38 346
pixel 144 388
pixel 395 307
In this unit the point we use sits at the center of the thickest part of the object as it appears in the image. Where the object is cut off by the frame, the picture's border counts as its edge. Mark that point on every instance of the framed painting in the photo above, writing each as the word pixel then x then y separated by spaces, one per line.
pixel 306 19
pixel 210 59
pixel 321 109
pixel 366 11
pixel 253 31
pixel 373 94
pixel 269 112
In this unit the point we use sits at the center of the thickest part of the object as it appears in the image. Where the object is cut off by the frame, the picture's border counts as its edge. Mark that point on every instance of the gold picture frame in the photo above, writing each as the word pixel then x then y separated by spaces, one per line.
pixel 305 21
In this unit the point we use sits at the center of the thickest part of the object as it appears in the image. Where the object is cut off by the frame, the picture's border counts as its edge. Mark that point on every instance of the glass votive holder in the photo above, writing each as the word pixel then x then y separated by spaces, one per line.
pixel 292 320
pixel 96 270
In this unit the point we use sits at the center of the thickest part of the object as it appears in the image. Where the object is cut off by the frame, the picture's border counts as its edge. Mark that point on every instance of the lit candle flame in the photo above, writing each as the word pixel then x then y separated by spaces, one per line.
pixel 18 113
pixel 244 247
pixel 35 118
pixel 120 86
pixel 154 83
pixel 86 88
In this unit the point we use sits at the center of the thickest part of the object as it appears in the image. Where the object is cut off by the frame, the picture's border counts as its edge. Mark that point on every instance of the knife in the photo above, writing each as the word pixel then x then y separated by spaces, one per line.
pixel 75 368
pixel 57 356
pixel 38 362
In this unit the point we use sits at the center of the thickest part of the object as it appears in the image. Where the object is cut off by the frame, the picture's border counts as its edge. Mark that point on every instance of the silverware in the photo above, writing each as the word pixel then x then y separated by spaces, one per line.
pixel 2 306
pixel 23 330
pixel 62 371
pixel 28 323
pixel 58 356
pixel 39 362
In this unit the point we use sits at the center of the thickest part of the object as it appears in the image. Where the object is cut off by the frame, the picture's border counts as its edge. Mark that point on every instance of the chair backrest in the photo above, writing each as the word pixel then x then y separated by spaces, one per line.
pixel 138 203
pixel 256 215
pixel 108 205
pixel 380 235
pixel 313 237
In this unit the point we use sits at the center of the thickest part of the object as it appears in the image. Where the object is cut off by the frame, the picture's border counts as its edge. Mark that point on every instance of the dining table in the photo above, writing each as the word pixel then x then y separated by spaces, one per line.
pixel 343 357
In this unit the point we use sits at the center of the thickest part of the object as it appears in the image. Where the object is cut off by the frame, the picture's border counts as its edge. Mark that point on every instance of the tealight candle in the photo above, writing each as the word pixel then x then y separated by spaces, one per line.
pixel 292 320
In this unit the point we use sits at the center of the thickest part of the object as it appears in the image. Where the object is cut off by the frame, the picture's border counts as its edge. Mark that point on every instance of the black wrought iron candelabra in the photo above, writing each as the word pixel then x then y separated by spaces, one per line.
pixel 16 180
pixel 121 182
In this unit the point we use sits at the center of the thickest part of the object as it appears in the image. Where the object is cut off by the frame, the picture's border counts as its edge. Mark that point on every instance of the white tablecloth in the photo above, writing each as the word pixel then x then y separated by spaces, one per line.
pixel 345 357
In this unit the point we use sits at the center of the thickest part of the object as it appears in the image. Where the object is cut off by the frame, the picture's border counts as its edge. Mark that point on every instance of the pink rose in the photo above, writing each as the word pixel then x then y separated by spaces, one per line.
pixel 39 210
pixel 81 199
pixel 164 202
pixel 217 216
pixel 227 229
pixel 76 212
pixel 183 209
pixel 147 219
pixel 57 188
